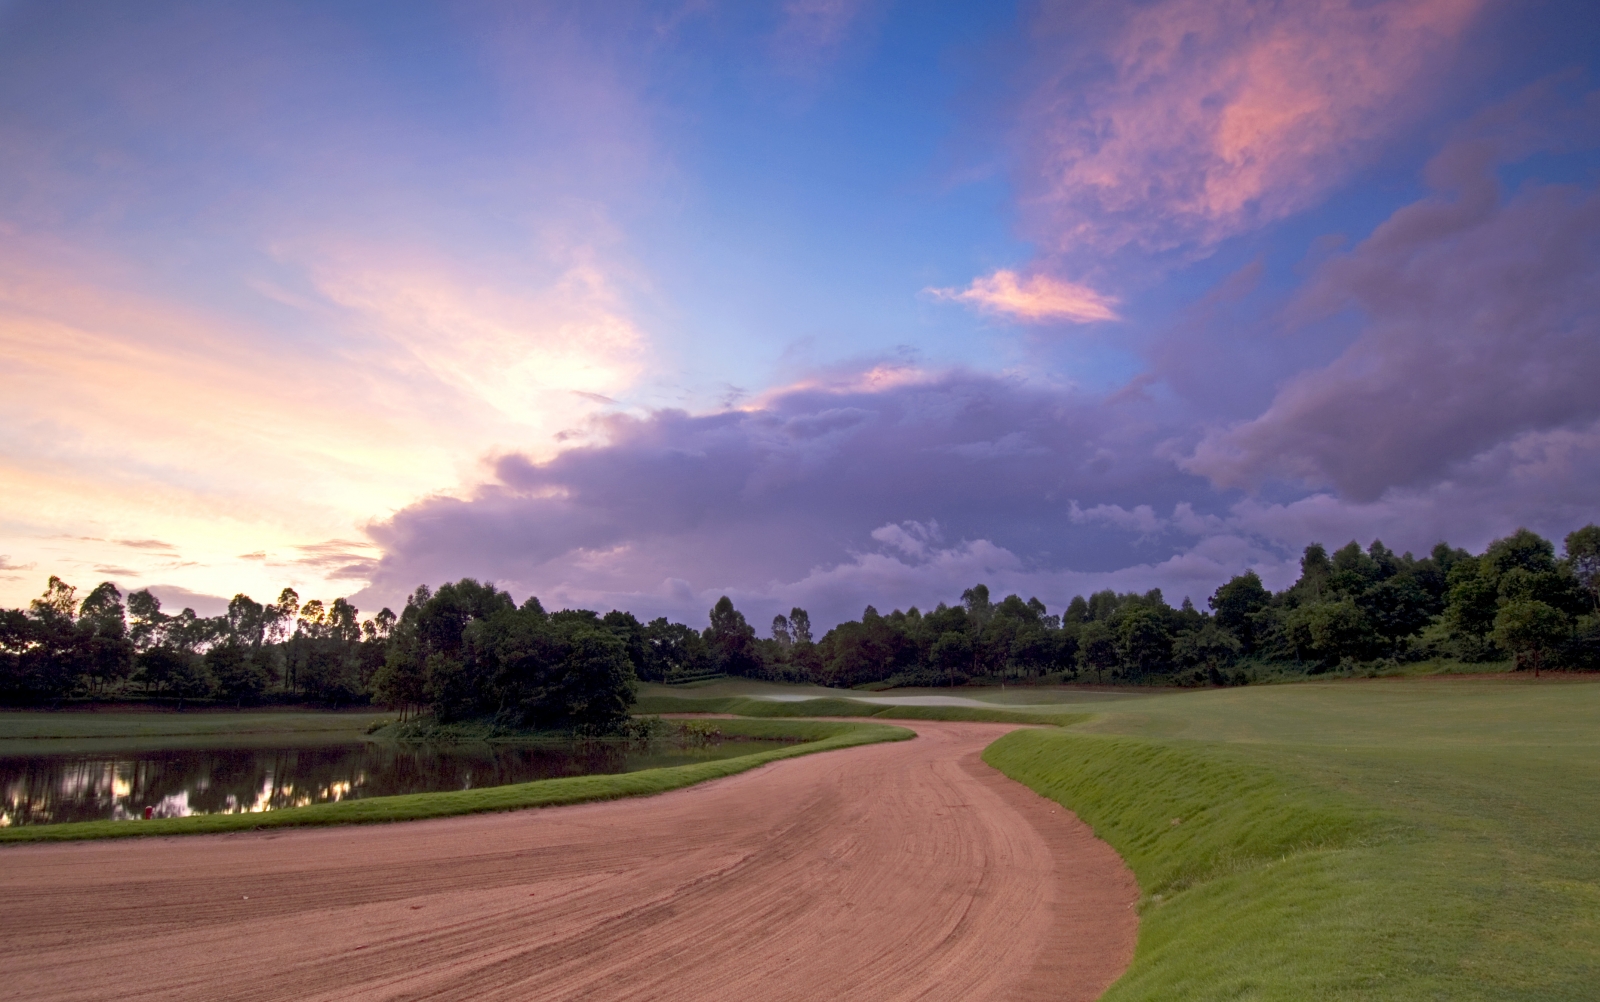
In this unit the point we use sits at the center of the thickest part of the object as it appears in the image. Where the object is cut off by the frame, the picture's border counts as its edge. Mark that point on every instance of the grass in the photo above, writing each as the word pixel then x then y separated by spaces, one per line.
pixel 818 736
pixel 37 724
pixel 45 733
pixel 834 707
pixel 1428 838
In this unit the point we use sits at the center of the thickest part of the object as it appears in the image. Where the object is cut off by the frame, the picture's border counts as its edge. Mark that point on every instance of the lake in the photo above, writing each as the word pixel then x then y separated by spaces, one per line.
pixel 110 784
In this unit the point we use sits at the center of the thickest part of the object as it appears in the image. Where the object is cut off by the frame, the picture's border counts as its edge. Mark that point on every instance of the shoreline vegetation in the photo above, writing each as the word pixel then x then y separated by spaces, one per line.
pixel 466 650
pixel 811 736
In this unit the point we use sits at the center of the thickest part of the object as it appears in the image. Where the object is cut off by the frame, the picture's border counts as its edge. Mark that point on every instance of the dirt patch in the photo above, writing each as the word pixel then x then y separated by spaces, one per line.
pixel 892 871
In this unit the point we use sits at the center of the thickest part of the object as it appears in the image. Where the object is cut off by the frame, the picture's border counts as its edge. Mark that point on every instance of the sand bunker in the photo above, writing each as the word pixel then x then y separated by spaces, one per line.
pixel 894 871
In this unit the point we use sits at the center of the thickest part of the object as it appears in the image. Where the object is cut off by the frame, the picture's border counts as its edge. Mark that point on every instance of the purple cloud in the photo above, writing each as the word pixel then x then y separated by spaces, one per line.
pixel 960 471
pixel 1480 321
pixel 833 498
pixel 1461 408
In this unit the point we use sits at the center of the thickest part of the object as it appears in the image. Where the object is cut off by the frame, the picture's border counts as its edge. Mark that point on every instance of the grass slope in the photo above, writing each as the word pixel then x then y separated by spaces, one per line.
pixel 832 707
pixel 818 736
pixel 1406 839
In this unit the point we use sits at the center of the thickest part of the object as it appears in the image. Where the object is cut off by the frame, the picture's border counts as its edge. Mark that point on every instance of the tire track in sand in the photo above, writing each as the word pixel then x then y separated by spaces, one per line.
pixel 893 871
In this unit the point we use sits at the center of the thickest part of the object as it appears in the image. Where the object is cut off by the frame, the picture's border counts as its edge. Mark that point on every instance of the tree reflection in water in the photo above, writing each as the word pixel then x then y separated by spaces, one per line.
pixel 42 789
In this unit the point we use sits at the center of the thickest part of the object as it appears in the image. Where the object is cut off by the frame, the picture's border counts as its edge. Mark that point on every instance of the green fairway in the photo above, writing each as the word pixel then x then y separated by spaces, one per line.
pixel 816 736
pixel 1393 839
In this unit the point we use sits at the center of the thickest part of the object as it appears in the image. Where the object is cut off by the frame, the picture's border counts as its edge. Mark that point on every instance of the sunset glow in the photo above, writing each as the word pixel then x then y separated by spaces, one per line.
pixel 808 303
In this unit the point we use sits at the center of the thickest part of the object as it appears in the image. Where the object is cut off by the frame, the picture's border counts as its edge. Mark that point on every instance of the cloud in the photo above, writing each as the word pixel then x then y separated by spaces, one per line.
pixel 1141 518
pixel 840 493
pixel 517 352
pixel 337 559
pixel 175 599
pixel 1479 321
pixel 144 544
pixel 912 538
pixel 1189 121
pixel 1035 299
pixel 1545 481
pixel 821 476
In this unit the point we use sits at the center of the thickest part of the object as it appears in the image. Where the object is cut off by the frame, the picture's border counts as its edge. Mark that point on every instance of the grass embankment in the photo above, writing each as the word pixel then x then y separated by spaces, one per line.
pixel 741 706
pixel 1406 839
pixel 818 736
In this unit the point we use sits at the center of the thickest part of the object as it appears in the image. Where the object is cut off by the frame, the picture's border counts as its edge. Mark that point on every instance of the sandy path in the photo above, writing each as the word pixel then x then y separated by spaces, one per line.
pixel 896 871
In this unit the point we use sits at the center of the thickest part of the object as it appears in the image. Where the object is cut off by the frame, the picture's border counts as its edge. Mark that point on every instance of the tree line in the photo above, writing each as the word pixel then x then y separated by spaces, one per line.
pixel 468 650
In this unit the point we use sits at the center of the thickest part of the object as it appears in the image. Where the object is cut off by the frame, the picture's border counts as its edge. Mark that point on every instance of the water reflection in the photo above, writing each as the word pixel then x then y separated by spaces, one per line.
pixel 42 789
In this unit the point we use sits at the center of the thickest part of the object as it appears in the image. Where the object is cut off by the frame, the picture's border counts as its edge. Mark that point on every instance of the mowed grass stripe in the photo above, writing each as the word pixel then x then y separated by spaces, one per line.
pixel 818 736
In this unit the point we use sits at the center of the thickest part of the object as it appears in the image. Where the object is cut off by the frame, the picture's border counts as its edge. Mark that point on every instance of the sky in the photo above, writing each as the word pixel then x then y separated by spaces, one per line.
pixel 810 303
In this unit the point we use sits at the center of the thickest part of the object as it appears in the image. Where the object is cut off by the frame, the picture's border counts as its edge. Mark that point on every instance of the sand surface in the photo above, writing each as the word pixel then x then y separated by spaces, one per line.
pixel 896 871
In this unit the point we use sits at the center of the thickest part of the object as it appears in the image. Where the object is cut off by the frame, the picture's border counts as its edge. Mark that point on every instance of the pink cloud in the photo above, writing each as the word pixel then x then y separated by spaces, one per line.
pixel 1216 116
pixel 1035 299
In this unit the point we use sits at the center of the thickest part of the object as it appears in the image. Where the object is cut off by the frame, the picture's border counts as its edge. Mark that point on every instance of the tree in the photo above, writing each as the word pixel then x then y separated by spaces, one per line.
pixel 1397 607
pixel 627 628
pixel 1097 648
pixel 1143 646
pixel 1102 605
pixel 35 664
pixel 402 680
pixel 145 619
pixel 1077 611
pixel 676 650
pixel 103 626
pixel 432 635
pixel 173 670
pixel 238 674
pixel 595 687
pixel 800 625
pixel 1236 602
pixel 1473 599
pixel 1328 632
pixel 1527 550
pixel 1315 571
pixel 868 650
pixel 952 655
pixel 1583 555
pixel 1530 627
pixel 59 601
pixel 731 640
pixel 1208 647
pixel 976 601
pixel 780 631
